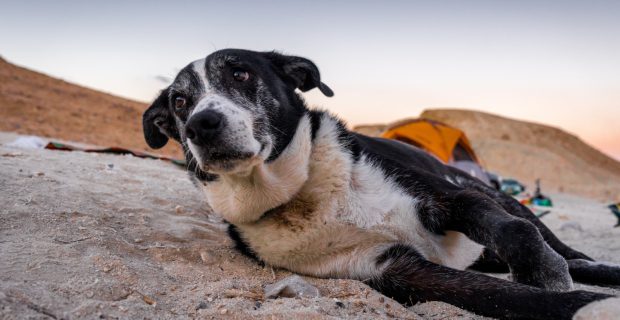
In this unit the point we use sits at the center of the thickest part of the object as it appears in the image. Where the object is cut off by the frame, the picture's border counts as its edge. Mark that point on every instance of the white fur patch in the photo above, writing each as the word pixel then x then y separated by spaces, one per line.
pixel 243 199
pixel 335 217
pixel 200 69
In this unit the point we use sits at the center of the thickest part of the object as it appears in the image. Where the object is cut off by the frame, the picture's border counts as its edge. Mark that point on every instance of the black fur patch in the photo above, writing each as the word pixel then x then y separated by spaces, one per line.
pixel 315 121
pixel 241 245
pixel 490 262
pixel 590 272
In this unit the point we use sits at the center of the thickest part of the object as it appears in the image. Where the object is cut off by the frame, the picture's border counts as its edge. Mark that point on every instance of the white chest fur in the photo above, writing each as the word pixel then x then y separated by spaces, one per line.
pixel 333 216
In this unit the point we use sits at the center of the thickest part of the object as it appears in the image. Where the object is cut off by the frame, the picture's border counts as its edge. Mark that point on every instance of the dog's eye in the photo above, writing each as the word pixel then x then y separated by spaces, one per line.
pixel 179 102
pixel 241 75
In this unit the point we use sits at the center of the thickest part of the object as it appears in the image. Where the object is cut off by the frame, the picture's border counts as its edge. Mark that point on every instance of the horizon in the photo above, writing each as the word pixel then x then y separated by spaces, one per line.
pixel 554 64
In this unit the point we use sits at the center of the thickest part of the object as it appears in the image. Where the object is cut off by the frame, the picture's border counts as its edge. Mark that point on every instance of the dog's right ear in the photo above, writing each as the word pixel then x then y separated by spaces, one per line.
pixel 157 122
pixel 299 72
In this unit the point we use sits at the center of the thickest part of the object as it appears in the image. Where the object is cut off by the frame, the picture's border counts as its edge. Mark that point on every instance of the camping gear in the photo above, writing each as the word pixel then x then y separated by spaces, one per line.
pixel 34 142
pixel 511 187
pixel 114 150
pixel 538 199
pixel 446 143
pixel 615 209
pixel 441 140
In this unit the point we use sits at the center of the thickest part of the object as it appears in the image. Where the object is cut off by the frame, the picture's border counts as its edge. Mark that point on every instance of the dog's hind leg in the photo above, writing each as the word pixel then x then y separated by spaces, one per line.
pixel 597 273
pixel 515 240
pixel 409 278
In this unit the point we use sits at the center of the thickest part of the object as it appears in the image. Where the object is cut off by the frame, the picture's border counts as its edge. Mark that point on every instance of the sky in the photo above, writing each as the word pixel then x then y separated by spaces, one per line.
pixel 552 62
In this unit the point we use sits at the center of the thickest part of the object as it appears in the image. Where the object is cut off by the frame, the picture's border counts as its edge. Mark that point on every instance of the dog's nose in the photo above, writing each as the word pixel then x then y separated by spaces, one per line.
pixel 204 127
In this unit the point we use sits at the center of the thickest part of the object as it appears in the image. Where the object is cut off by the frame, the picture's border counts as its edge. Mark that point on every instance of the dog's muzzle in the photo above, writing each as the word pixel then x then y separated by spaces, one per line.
pixel 221 140
pixel 205 127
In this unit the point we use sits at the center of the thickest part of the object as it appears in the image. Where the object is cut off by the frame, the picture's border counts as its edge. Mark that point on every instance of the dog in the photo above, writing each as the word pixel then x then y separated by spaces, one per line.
pixel 301 192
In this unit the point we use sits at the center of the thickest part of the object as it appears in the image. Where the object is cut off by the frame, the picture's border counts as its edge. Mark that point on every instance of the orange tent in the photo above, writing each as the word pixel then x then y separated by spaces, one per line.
pixel 441 140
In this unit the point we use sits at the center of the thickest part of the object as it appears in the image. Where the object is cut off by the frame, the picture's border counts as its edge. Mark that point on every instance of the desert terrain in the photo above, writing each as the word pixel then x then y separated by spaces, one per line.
pixel 86 235
pixel 37 104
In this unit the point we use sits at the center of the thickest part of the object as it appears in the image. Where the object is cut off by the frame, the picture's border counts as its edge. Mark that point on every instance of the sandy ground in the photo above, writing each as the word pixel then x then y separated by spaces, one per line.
pixel 103 236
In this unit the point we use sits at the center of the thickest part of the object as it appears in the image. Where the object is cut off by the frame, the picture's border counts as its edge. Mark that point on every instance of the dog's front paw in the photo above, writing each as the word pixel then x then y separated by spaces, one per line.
pixel 550 274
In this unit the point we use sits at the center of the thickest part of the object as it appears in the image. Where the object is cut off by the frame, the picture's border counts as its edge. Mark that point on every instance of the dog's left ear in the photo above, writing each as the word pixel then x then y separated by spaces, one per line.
pixel 299 72
pixel 158 124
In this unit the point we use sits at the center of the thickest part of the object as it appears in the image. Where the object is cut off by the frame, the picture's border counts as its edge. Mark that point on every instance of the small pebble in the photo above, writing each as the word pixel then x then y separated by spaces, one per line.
pixel 291 287
pixel 179 209
pixel 201 305
pixel 223 311
pixel 339 304
pixel 207 257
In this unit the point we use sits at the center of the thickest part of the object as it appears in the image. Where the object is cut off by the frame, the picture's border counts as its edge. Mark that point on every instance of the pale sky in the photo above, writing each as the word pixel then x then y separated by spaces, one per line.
pixel 554 62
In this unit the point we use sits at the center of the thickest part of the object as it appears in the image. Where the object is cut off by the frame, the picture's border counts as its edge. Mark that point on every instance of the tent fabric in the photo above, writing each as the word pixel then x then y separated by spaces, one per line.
pixel 435 137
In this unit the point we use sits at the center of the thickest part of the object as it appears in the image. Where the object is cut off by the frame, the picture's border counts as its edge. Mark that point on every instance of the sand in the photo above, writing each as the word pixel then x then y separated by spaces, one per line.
pixel 104 236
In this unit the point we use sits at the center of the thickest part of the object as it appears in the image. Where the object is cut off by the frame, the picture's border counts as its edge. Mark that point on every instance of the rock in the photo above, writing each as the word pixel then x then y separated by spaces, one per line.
pixel 179 209
pixel 291 287
pixel 607 309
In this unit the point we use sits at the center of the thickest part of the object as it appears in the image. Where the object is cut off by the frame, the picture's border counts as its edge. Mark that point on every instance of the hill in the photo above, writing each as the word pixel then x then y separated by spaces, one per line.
pixel 34 103
pixel 528 151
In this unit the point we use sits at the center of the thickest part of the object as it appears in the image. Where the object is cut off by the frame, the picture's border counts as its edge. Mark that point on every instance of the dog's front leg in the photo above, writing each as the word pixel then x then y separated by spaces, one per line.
pixel 513 207
pixel 581 267
pixel 409 278
pixel 517 241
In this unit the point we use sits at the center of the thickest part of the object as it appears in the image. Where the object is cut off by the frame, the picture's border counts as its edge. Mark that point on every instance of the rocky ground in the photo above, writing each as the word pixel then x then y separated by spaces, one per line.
pixel 103 236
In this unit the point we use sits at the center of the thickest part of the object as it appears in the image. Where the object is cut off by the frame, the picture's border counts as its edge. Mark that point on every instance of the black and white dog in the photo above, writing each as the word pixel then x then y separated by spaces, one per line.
pixel 302 192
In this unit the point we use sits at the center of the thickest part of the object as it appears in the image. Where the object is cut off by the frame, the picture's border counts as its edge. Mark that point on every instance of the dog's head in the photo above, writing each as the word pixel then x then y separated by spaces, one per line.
pixel 233 109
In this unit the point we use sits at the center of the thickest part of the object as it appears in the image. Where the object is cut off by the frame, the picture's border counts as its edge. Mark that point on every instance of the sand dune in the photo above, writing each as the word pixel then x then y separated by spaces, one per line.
pixel 528 151
pixel 34 103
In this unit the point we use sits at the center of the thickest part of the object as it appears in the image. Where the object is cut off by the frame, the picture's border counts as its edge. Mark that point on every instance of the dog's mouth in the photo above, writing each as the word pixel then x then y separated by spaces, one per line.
pixel 227 161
